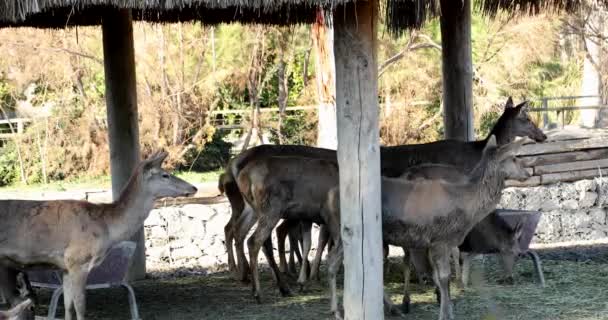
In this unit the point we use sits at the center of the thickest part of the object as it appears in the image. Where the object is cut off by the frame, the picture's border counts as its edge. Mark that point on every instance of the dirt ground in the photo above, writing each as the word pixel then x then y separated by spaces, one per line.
pixel 577 288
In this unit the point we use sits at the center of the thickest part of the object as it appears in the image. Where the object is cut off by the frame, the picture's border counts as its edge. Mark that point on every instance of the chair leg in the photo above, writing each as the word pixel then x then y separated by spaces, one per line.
pixel 132 301
pixel 538 267
pixel 53 304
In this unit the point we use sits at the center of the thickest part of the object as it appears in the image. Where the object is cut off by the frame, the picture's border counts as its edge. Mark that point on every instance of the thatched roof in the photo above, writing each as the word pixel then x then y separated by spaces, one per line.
pixel 406 14
pixel 61 13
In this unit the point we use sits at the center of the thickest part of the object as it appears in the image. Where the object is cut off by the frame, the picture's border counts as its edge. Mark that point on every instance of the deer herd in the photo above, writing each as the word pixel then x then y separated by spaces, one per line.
pixel 437 200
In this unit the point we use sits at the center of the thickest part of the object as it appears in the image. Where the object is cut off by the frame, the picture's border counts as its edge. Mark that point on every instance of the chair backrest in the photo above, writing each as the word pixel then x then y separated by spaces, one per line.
pixel 531 219
pixel 113 269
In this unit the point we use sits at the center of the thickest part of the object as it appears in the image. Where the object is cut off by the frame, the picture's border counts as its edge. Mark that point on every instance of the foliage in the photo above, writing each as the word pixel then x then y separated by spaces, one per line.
pixel 213 156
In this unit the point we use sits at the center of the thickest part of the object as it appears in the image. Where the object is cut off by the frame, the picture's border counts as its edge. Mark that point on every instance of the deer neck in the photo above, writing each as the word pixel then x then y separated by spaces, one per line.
pixel 502 131
pixel 488 190
pixel 130 210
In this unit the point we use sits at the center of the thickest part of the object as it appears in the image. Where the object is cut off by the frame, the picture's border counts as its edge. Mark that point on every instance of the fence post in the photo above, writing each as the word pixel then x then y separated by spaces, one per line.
pixel 545 103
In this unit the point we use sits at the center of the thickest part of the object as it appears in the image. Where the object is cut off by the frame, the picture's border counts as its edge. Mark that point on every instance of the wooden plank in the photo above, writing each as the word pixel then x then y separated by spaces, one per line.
pixel 355 47
pixel 572 175
pixel 530 182
pixel 457 70
pixel 563 146
pixel 121 101
pixel 189 200
pixel 571 166
pixel 555 158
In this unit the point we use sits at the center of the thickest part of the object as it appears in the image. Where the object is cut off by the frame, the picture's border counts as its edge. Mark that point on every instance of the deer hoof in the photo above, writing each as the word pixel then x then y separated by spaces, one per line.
pixel 392 310
pixel 507 281
pixel 285 292
pixel 405 306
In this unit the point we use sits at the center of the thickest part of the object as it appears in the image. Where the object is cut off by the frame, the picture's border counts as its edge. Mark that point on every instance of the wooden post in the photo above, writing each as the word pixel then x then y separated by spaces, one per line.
pixel 325 69
pixel 457 69
pixel 359 158
pixel 121 101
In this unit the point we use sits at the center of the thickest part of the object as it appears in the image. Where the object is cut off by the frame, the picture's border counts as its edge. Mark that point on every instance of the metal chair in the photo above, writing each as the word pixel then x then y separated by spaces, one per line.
pixel 112 272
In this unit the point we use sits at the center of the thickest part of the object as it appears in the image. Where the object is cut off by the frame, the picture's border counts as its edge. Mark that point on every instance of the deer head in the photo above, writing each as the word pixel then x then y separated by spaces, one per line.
pixel 159 183
pixel 520 124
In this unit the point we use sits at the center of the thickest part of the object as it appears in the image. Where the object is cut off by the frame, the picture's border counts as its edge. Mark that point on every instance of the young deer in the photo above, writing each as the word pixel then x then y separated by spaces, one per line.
pixel 75 236
pixel 433 209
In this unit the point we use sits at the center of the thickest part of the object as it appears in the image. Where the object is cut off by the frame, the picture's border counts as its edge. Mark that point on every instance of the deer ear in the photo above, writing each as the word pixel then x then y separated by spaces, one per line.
pixel 522 108
pixel 156 159
pixel 491 143
pixel 509 103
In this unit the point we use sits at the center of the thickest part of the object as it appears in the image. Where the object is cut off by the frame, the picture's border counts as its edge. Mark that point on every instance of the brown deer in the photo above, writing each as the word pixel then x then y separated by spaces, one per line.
pixel 513 122
pixel 434 208
pixel 75 236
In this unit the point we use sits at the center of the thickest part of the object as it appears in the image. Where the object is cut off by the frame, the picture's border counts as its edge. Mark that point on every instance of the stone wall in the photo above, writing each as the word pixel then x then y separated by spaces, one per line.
pixel 571 211
pixel 192 235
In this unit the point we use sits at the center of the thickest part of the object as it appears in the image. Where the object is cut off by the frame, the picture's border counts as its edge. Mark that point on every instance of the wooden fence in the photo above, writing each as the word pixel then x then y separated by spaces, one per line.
pixel 569 154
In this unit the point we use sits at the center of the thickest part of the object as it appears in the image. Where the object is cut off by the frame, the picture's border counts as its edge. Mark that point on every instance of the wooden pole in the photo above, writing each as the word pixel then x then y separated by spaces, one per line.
pixel 121 101
pixel 323 42
pixel 355 48
pixel 457 69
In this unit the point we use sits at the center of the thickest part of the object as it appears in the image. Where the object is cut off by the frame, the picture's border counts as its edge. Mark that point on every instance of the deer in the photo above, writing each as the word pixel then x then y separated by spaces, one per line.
pixel 242 217
pixel 514 122
pixel 23 303
pixel 492 235
pixel 75 236
pixel 18 311
pixel 433 208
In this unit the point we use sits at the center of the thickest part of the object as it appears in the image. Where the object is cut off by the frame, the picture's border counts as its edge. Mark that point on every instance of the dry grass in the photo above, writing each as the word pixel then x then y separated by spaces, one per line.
pixel 576 289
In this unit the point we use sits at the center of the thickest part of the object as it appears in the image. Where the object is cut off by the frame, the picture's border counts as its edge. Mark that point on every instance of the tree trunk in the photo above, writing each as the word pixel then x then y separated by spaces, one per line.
pixel 283 85
pixel 121 101
pixel 591 83
pixel 359 158
pixel 323 42
pixel 457 69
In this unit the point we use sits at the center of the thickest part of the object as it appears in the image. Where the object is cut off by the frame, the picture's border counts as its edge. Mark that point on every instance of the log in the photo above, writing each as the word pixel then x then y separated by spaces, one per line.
pixel 355 47
pixel 572 175
pixel 530 182
pixel 563 146
pixel 457 69
pixel 121 101
pixel 555 158
pixel 571 166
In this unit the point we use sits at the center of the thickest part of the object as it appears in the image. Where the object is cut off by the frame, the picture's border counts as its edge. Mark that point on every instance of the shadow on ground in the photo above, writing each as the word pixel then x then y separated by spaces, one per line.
pixel 577 288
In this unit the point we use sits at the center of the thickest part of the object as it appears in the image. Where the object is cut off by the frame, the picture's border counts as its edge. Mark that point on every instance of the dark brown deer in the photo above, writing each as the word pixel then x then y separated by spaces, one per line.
pixel 75 236
pixel 434 213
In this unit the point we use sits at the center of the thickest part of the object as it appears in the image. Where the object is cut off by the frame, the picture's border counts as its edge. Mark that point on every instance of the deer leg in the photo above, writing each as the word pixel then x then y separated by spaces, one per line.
pixel 278 278
pixel 244 224
pixel 456 259
pixel 306 243
pixel 266 222
pixel 334 261
pixel 8 285
pixel 282 231
pixel 439 257
pixel 466 268
pixel 538 267
pixel 295 240
pixel 68 301
pixel 321 243
pixel 405 304
pixel 229 236
pixel 78 291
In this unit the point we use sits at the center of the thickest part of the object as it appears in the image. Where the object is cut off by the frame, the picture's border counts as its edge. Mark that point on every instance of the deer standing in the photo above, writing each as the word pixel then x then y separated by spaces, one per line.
pixel 75 236
pixel 433 209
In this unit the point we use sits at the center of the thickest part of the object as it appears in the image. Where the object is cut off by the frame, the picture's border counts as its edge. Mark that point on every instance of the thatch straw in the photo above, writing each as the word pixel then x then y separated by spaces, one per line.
pixel 61 13
pixel 402 15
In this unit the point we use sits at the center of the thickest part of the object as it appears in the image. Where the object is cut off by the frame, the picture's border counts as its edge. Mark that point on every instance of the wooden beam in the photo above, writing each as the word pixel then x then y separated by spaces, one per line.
pixel 121 101
pixel 355 48
pixel 562 146
pixel 571 166
pixel 325 70
pixel 573 175
pixel 457 68
pixel 556 158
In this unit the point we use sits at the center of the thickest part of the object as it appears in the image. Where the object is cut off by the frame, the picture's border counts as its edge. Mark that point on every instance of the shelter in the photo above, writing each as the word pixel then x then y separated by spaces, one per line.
pixel 355 27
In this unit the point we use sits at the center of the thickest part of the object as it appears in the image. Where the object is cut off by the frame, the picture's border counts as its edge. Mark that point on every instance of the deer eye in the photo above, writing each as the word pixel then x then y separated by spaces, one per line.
pixel 165 175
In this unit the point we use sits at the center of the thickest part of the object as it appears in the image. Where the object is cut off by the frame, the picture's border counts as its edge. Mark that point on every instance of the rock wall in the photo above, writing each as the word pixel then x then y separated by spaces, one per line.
pixel 571 211
pixel 192 235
